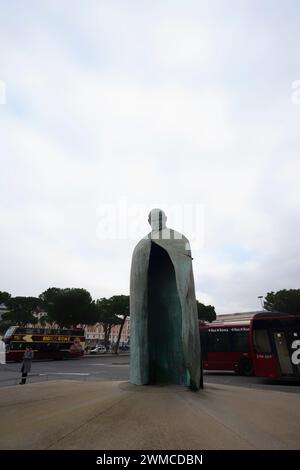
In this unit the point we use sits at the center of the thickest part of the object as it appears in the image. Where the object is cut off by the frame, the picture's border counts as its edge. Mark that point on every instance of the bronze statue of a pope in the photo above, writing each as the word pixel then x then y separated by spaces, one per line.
pixel 165 345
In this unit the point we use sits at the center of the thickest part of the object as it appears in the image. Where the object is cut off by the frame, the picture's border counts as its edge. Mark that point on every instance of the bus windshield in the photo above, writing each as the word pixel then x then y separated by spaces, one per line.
pixel 10 332
pixel 276 345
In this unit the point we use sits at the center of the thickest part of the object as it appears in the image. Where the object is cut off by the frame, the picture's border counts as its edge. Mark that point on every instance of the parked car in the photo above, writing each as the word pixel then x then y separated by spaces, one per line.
pixel 98 350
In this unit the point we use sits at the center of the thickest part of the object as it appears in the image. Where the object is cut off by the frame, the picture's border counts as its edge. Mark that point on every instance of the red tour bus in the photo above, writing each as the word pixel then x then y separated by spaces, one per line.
pixel 226 347
pixel 275 345
pixel 268 345
pixel 47 343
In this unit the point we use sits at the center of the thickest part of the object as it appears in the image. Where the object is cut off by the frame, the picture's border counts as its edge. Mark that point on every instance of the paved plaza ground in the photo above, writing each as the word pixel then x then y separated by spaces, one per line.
pixel 69 414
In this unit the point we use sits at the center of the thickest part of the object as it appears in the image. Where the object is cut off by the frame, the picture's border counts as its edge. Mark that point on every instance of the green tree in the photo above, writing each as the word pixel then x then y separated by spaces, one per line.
pixel 283 301
pixel 4 297
pixel 49 295
pixel 48 303
pixel 206 312
pixel 69 307
pixel 21 310
pixel 4 324
pixel 107 316
pixel 120 306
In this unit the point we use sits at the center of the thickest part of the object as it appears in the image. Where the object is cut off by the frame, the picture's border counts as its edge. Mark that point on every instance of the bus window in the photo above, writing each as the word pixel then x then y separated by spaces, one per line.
pixel 203 343
pixel 262 342
pixel 240 341
pixel 20 331
pixel 10 332
pixel 218 341
pixel 17 346
pixel 282 353
pixel 203 340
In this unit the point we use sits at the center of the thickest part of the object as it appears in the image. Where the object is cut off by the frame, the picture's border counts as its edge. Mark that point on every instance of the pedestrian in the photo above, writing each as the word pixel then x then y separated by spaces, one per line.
pixel 26 366
pixel 2 352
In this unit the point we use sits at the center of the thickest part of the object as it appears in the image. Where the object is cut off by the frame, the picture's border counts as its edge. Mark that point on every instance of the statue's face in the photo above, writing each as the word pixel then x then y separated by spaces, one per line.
pixel 157 219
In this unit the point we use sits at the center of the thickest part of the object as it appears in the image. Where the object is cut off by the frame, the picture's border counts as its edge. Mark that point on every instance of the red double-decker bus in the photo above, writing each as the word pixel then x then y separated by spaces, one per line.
pixel 268 345
pixel 47 343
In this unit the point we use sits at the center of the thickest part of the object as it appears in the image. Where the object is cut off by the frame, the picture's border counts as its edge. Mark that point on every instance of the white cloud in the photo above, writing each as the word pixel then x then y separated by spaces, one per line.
pixel 102 103
pixel 183 44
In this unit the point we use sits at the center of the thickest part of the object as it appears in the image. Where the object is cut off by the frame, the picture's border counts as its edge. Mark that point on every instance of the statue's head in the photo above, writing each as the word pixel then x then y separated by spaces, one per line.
pixel 157 219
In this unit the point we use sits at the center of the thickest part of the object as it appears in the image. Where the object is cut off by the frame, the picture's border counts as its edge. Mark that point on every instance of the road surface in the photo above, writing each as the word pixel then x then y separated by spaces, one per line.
pixel 117 368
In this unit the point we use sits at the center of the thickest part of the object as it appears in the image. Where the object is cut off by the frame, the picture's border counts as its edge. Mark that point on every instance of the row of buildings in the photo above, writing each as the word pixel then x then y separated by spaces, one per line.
pixel 95 334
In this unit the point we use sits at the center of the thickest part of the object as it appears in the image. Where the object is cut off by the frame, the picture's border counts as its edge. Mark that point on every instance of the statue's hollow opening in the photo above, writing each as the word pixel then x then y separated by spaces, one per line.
pixel 166 364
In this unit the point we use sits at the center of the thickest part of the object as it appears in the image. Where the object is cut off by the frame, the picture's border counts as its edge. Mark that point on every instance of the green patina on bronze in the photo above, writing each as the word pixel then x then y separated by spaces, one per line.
pixel 165 344
pixel 166 361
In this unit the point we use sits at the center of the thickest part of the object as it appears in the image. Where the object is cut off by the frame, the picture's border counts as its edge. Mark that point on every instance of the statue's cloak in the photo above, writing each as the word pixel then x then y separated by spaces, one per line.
pixel 176 248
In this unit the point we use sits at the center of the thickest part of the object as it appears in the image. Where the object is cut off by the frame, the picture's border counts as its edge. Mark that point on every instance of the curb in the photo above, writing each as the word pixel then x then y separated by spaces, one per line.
pixel 88 356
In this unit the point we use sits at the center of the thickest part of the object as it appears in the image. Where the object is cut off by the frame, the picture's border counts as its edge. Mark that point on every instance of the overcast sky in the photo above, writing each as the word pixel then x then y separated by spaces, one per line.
pixel 143 104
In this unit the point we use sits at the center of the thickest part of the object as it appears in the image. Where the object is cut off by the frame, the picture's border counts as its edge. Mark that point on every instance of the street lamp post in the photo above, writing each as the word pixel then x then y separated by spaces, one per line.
pixel 261 301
